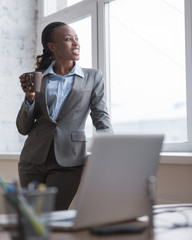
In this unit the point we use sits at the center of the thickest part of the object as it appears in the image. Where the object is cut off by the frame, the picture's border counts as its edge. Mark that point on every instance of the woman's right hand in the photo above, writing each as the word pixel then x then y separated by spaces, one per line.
pixel 26 86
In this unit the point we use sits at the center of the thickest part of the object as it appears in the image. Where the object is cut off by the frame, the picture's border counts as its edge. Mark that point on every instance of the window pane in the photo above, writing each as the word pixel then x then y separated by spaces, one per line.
pixel 147 67
pixel 83 30
pixel 52 6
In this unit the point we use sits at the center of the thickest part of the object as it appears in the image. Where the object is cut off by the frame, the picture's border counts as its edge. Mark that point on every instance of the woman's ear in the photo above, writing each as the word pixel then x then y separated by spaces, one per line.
pixel 51 46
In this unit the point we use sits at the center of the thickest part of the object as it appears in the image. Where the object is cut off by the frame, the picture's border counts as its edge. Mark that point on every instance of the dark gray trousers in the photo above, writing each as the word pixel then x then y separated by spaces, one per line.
pixel 66 179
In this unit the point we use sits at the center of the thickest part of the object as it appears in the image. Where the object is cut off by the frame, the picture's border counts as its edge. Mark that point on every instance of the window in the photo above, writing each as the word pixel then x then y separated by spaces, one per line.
pixel 147 67
pixel 83 29
pixel 52 6
pixel 144 49
pixel 150 92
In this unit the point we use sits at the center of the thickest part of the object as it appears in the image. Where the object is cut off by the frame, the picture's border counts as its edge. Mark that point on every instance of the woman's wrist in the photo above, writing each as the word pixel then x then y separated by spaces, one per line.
pixel 30 97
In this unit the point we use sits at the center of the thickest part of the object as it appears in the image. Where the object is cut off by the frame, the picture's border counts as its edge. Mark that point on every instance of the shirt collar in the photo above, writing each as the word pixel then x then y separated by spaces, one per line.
pixel 77 70
pixel 49 70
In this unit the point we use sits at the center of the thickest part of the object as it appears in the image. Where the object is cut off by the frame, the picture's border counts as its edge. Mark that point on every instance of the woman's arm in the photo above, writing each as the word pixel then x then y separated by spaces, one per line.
pixel 99 112
pixel 25 117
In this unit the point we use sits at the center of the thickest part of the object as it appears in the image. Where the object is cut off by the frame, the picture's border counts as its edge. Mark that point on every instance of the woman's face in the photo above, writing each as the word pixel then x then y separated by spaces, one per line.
pixel 65 45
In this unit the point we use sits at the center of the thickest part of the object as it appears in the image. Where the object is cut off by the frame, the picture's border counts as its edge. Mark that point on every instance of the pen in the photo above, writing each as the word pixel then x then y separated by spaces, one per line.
pixel 40 197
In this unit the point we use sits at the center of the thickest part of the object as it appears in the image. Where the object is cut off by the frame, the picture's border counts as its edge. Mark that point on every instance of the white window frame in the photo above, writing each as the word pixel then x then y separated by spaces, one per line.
pixel 96 8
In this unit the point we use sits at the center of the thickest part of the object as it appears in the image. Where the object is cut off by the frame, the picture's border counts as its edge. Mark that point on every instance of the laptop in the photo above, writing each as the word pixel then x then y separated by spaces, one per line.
pixel 114 185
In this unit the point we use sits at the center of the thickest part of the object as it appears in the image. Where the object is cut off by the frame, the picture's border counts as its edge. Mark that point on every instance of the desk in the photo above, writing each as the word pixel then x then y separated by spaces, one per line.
pixel 162 231
pixel 82 235
pixel 177 234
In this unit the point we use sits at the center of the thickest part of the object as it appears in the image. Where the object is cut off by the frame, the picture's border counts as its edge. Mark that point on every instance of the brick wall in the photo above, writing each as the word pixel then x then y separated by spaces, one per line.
pixel 18 20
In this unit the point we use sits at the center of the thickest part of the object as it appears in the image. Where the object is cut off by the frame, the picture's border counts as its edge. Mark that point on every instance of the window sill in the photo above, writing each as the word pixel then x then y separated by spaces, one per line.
pixel 181 158
pixel 9 156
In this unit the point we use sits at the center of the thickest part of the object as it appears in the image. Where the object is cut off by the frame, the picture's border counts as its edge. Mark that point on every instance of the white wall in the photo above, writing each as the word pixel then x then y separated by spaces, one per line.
pixel 17 52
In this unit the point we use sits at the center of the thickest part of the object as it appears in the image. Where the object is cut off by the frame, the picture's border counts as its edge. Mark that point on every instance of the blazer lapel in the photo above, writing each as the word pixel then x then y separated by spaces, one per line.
pixel 43 92
pixel 74 96
pixel 43 87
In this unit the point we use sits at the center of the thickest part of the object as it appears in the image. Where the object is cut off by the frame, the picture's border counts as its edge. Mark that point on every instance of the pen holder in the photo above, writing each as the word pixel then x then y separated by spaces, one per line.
pixel 28 213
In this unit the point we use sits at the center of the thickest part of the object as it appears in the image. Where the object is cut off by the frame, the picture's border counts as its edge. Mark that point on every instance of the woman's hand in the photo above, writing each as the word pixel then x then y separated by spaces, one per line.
pixel 26 86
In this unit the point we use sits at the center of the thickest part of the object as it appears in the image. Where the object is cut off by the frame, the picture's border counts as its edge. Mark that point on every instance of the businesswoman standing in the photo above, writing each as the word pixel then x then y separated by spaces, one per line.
pixel 54 118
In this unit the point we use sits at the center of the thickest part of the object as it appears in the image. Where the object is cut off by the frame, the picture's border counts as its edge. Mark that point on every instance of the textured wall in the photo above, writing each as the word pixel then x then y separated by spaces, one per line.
pixel 17 52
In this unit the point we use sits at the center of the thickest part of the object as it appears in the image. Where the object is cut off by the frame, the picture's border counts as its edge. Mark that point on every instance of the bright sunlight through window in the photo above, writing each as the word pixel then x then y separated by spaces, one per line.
pixel 147 67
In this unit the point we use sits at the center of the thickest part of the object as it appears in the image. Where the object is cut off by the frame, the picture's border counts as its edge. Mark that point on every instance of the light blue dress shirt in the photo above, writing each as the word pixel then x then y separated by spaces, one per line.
pixel 58 88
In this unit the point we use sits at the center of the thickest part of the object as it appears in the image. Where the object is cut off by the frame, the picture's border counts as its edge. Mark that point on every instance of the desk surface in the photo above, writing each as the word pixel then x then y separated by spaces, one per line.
pixel 176 234
pixel 169 225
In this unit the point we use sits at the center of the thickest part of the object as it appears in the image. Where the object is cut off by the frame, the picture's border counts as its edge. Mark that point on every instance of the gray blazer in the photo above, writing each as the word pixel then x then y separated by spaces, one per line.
pixel 68 131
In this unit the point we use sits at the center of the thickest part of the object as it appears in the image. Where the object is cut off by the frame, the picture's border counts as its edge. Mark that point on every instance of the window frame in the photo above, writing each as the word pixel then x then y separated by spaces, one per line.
pixel 98 11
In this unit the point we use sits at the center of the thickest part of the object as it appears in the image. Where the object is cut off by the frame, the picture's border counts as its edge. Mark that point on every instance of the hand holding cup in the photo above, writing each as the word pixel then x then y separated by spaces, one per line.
pixel 31 83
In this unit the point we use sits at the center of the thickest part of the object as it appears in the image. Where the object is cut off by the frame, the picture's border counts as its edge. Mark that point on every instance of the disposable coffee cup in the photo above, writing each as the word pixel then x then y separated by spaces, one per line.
pixel 35 80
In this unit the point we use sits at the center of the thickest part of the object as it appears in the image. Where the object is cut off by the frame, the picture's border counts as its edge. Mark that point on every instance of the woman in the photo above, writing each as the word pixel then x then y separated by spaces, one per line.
pixel 54 118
